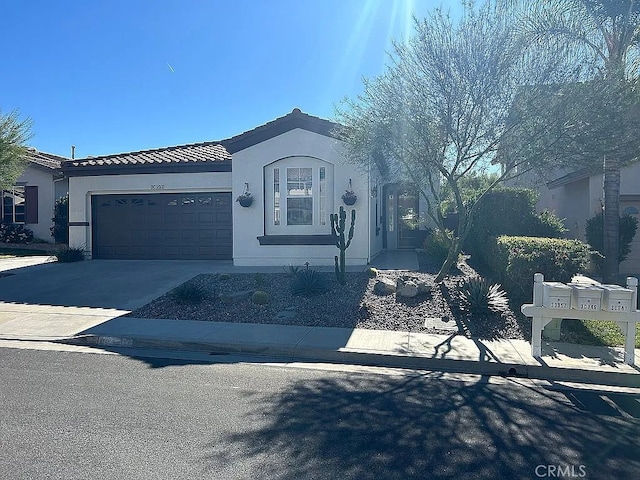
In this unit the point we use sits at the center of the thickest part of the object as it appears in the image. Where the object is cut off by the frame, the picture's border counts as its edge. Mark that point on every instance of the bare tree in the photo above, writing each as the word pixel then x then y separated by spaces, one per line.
pixel 445 106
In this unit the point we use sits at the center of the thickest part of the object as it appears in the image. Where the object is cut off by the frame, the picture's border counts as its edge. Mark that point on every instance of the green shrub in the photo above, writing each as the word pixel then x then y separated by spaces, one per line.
pixel 509 211
pixel 436 244
pixel 479 297
pixel 15 233
pixel 188 293
pixel 371 272
pixel 60 228
pixel 70 254
pixel 308 283
pixel 260 298
pixel 546 224
pixel 595 237
pixel 514 260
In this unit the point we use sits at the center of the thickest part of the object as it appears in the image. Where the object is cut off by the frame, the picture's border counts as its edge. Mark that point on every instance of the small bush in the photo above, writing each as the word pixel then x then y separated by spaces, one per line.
pixel 514 260
pixel 308 283
pixel 291 270
pixel 60 228
pixel 260 298
pixel 259 279
pixel 479 297
pixel 224 276
pixel 546 224
pixel 188 293
pixel 509 211
pixel 595 237
pixel 436 244
pixel 15 233
pixel 70 255
pixel 371 272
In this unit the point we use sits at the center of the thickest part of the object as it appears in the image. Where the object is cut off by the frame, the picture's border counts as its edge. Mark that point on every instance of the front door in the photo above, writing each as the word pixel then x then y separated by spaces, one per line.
pixel 401 206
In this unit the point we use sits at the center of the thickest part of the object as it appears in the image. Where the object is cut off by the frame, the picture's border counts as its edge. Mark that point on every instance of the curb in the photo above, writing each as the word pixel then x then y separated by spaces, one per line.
pixel 369 358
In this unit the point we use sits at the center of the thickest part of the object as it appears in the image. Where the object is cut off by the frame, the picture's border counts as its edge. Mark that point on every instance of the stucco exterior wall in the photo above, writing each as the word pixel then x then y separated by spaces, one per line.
pixel 580 200
pixel 249 167
pixel 82 188
pixel 44 181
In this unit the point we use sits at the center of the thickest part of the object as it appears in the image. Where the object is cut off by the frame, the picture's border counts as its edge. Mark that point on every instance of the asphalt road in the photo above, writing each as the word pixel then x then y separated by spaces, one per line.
pixel 77 415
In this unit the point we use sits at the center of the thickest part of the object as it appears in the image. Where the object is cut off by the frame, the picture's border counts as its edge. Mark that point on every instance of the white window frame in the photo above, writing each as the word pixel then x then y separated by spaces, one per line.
pixel 321 195
pixel 11 194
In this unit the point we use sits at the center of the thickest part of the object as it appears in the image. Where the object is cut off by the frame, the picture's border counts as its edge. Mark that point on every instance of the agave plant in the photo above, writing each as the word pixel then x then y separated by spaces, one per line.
pixel 188 293
pixel 308 282
pixel 291 270
pixel 478 296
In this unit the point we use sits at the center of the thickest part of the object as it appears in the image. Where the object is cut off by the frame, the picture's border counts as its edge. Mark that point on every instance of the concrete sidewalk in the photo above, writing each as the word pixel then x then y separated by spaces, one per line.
pixel 107 328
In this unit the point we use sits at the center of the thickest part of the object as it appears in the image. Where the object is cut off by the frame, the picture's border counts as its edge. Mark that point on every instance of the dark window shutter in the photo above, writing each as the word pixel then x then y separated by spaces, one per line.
pixel 31 199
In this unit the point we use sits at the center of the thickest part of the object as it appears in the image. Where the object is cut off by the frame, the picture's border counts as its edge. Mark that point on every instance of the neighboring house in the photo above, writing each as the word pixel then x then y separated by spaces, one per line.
pixel 31 200
pixel 180 202
pixel 578 196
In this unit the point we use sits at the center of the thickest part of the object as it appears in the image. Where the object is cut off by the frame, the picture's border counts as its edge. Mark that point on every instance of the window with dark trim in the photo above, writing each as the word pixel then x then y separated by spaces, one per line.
pixel 20 204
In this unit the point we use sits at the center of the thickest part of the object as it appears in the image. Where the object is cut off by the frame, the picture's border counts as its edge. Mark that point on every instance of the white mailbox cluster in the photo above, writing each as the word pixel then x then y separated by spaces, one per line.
pixel 592 297
pixel 593 301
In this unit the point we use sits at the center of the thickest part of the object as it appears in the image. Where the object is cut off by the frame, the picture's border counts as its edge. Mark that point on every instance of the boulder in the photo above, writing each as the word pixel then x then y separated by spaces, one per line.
pixel 424 287
pixel 384 286
pixel 406 288
pixel 235 297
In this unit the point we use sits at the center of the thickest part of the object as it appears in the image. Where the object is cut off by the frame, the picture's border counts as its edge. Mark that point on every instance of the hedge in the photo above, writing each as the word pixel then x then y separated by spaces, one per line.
pixel 509 211
pixel 514 260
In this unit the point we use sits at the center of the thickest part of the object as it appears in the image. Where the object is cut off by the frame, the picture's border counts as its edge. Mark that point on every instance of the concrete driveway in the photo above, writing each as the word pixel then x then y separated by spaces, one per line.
pixel 106 284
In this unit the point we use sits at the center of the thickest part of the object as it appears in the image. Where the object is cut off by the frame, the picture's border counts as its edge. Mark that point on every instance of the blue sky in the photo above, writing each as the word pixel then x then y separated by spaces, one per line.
pixel 123 75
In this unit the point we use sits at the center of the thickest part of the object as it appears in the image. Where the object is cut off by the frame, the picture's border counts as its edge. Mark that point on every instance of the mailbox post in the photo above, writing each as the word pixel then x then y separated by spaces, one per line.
pixel 553 300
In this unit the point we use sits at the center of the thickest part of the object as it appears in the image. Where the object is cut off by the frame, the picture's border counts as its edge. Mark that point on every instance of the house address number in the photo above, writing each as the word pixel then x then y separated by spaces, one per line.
pixel 157 187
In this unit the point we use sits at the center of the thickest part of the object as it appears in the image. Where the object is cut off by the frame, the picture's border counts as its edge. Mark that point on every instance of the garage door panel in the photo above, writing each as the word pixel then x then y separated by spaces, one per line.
pixel 176 226
pixel 169 218
pixel 188 218
pixel 206 218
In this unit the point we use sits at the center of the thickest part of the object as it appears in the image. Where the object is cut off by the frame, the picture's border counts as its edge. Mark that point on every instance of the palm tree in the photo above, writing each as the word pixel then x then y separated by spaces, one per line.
pixel 603 38
pixel 14 134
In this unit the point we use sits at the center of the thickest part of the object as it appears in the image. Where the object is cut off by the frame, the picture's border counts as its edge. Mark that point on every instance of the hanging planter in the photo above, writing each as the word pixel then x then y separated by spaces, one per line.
pixel 348 197
pixel 246 199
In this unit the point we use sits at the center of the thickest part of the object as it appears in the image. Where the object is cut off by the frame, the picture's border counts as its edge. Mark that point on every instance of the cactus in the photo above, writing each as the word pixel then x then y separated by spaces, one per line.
pixel 338 223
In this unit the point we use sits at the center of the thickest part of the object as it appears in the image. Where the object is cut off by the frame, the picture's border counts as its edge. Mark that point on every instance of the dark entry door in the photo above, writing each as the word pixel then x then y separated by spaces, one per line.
pixel 408 218
pixel 163 226
pixel 401 217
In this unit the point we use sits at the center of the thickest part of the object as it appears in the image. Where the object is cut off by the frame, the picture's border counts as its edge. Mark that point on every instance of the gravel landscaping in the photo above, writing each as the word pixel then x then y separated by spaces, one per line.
pixel 354 305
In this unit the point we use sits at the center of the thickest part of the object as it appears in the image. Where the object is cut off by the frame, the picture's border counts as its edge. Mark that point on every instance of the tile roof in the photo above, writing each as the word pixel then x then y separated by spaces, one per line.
pixel 47 160
pixel 205 156
pixel 291 121
pixel 205 152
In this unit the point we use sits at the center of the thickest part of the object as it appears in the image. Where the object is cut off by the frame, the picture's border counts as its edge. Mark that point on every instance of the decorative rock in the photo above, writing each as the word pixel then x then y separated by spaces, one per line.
pixel 384 286
pixel 424 287
pixel 286 314
pixel 235 297
pixel 406 288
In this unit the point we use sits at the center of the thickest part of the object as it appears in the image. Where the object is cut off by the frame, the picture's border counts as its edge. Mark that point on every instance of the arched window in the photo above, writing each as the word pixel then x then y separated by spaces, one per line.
pixel 633 211
pixel 299 196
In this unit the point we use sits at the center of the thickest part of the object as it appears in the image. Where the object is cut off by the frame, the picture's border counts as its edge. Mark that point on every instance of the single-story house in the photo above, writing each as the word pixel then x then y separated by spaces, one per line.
pixel 31 200
pixel 179 202
pixel 578 195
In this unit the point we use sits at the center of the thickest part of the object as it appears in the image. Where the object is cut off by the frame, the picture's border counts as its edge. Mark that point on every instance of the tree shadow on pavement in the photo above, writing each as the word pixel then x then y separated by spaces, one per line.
pixel 424 426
